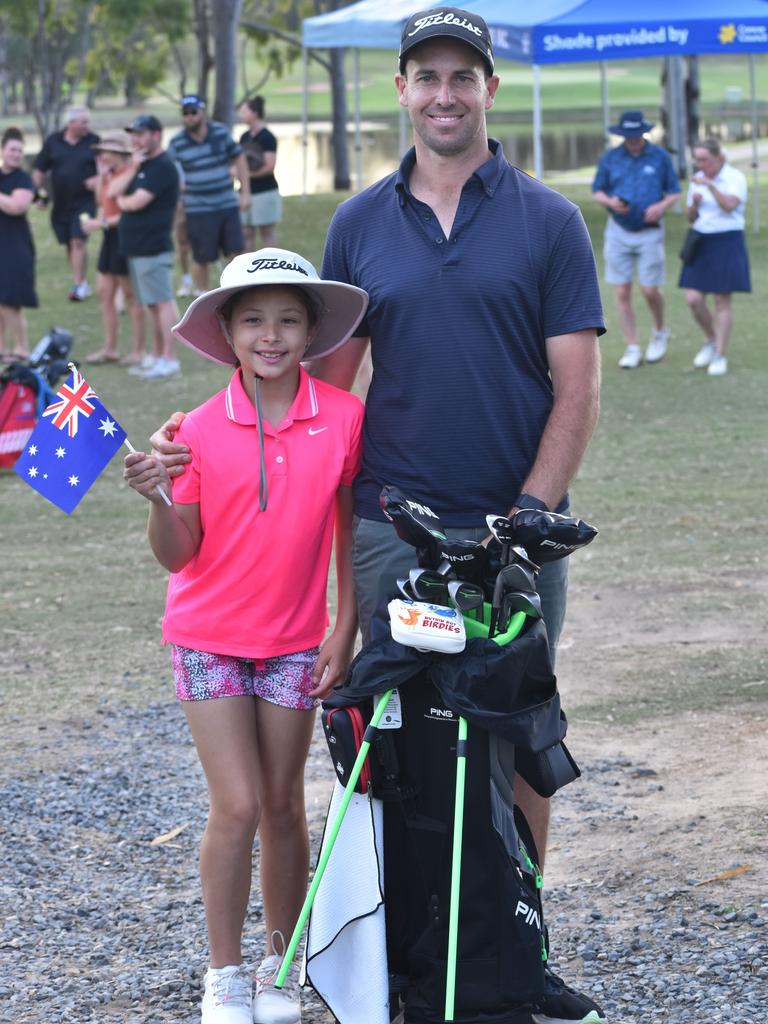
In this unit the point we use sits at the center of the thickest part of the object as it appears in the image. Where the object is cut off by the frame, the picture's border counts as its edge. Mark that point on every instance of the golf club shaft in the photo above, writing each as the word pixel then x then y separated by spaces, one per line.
pixel 290 952
pixel 458 830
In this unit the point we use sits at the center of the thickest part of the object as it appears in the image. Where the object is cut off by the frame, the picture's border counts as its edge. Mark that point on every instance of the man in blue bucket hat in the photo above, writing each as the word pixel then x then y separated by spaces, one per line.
pixel 637 184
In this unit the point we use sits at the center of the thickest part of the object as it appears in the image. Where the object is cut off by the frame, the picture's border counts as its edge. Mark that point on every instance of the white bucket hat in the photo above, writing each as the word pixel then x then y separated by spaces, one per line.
pixel 340 306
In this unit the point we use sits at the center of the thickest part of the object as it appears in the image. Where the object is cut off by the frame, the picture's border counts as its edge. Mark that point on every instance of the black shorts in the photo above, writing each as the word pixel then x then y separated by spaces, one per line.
pixel 66 225
pixel 213 233
pixel 111 260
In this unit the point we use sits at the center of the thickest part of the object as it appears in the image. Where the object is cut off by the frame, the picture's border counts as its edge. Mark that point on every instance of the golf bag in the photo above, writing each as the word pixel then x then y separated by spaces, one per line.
pixel 509 698
pixel 26 389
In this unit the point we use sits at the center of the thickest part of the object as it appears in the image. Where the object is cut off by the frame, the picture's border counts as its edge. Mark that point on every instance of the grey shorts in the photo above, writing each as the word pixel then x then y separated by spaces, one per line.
pixel 379 557
pixel 630 254
pixel 266 208
pixel 152 278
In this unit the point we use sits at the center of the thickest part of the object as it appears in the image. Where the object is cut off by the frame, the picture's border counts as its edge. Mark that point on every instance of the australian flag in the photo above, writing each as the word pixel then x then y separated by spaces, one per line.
pixel 72 443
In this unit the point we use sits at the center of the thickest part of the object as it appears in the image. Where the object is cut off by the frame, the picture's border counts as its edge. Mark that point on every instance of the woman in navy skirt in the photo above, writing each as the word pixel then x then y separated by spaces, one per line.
pixel 719 266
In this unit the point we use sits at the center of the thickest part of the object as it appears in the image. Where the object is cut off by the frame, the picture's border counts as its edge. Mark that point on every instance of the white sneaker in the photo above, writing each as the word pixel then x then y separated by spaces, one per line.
pixel 657 346
pixel 186 287
pixel 718 366
pixel 162 368
pixel 632 358
pixel 139 369
pixel 228 996
pixel 705 355
pixel 276 1005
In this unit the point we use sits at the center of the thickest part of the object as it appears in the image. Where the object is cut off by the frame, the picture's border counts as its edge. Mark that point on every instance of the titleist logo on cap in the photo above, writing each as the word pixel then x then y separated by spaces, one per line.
pixel 444 18
pixel 273 264
pixel 631 124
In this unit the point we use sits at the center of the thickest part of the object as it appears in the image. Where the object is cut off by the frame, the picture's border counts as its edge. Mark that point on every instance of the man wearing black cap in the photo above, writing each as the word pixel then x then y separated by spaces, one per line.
pixel 207 154
pixel 637 184
pixel 147 192
pixel 485 309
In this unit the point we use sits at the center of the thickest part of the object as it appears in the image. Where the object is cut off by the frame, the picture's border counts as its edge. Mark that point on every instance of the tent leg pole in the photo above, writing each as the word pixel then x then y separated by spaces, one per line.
pixel 604 101
pixel 304 119
pixel 755 160
pixel 537 161
pixel 358 132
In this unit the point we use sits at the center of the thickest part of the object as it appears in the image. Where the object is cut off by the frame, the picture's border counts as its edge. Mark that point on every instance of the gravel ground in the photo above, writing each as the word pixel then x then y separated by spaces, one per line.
pixel 101 925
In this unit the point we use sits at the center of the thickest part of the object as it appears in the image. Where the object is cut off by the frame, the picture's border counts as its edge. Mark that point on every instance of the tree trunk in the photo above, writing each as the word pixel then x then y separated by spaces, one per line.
pixel 226 24
pixel 204 57
pixel 341 177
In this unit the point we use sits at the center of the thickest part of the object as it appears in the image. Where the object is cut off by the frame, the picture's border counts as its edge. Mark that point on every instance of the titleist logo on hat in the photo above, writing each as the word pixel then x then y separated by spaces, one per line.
pixel 444 18
pixel 272 264
pixel 626 123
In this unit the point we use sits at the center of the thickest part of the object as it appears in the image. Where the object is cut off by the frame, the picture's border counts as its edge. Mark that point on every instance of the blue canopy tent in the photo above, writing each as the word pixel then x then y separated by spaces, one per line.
pixel 564 31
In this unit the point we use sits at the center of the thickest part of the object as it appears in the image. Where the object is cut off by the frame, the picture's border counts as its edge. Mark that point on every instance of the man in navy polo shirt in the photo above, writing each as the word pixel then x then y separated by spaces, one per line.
pixel 482 325
pixel 637 184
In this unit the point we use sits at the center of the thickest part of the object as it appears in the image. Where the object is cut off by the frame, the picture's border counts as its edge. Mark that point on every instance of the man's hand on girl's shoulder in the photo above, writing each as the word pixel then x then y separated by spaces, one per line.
pixel 171 455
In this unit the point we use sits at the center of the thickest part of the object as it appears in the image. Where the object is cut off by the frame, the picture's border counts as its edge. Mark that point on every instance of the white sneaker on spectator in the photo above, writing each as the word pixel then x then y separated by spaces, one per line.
pixel 657 346
pixel 718 366
pixel 139 369
pixel 705 355
pixel 632 358
pixel 162 368
pixel 186 287
pixel 228 996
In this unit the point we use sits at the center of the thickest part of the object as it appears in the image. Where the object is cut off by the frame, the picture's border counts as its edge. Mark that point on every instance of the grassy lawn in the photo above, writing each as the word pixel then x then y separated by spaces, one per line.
pixel 673 480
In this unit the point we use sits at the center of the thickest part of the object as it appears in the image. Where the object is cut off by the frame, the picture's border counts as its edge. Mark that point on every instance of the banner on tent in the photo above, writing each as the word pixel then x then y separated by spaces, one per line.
pixel 543 44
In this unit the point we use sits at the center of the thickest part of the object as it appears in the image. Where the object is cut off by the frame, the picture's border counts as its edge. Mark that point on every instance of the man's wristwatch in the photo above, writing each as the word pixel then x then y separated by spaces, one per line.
pixel 529 501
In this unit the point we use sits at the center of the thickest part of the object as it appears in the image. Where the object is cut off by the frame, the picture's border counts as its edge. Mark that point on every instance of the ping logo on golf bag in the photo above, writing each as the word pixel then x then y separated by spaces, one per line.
pixel 458 558
pixel 441 714
pixel 531 914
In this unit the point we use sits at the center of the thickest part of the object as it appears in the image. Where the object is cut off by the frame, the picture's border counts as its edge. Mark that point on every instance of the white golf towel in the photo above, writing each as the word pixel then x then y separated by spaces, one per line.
pixel 346 949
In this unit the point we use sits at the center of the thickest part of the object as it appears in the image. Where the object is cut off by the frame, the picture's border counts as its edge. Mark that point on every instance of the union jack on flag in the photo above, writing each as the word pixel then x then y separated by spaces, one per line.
pixel 73 402
pixel 71 445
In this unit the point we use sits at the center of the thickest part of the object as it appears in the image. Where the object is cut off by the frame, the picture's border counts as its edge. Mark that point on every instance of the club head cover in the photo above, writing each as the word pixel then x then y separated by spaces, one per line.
pixel 416 524
pixel 548 536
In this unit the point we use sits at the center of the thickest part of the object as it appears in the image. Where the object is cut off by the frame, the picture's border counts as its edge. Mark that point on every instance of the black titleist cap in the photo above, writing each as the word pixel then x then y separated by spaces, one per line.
pixel 451 22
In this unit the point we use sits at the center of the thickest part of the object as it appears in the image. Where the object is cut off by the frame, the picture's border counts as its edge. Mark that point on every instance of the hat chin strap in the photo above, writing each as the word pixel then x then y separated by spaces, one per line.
pixel 260 430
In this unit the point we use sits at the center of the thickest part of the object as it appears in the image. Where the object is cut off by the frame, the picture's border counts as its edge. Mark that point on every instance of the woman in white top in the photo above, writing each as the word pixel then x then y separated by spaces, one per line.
pixel 715 205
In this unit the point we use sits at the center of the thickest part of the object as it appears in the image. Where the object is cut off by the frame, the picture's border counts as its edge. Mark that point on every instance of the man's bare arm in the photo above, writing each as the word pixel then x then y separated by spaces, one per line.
pixel 574 363
pixel 340 367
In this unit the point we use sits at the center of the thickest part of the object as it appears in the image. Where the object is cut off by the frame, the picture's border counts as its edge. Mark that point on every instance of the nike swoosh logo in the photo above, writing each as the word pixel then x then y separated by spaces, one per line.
pixel 319 430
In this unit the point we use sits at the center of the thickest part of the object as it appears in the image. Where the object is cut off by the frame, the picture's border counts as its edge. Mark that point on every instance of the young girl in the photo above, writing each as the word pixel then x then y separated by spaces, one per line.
pixel 248 542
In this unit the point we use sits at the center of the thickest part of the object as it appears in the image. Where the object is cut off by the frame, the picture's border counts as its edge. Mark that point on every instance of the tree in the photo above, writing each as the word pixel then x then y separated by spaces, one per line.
pixel 52 40
pixel 226 23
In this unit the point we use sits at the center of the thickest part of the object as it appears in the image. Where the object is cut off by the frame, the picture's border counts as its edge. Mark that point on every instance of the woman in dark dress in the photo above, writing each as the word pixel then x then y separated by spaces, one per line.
pixel 17 250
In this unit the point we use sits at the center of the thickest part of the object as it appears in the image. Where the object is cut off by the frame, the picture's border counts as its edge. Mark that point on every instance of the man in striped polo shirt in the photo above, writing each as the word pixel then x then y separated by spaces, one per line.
pixel 207 155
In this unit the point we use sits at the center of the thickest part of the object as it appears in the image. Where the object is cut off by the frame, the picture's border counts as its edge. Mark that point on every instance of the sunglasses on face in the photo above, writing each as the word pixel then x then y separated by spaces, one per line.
pixel 189 110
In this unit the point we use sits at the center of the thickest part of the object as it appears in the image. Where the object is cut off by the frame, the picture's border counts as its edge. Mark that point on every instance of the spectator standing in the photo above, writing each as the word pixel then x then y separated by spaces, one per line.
pixel 68 156
pixel 17 249
pixel 113 154
pixel 207 154
pixel 636 182
pixel 146 192
pixel 717 196
pixel 259 146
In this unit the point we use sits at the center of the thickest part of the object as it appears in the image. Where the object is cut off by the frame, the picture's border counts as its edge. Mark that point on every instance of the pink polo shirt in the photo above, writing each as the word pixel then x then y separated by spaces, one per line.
pixel 257 586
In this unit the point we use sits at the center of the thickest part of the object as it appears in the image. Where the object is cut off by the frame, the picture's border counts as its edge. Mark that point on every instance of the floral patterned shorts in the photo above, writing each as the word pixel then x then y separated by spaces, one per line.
pixel 284 679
